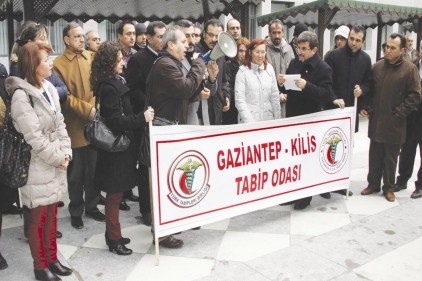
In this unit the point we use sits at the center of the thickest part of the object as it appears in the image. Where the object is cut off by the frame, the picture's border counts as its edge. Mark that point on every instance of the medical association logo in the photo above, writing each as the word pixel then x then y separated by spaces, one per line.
pixel 188 179
pixel 334 150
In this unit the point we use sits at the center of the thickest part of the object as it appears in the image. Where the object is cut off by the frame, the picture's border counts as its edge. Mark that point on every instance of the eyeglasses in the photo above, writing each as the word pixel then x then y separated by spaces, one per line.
pixel 212 34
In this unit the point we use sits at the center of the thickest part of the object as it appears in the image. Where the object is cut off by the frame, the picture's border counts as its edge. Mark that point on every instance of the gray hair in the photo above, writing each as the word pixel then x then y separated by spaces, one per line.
pixel 87 37
pixel 70 26
pixel 308 36
pixel 169 36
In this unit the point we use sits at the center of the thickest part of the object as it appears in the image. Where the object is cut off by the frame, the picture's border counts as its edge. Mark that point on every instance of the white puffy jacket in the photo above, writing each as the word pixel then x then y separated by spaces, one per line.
pixel 44 129
pixel 256 94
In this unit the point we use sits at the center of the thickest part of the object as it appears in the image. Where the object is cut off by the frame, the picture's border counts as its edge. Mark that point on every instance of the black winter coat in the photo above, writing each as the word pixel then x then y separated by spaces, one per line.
pixel 136 75
pixel 318 89
pixel 116 171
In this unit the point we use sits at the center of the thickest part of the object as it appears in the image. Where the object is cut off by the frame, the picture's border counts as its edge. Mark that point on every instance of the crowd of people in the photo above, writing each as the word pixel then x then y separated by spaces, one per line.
pixel 160 70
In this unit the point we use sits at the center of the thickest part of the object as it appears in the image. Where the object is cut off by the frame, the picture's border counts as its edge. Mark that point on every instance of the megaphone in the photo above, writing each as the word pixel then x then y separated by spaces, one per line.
pixel 226 46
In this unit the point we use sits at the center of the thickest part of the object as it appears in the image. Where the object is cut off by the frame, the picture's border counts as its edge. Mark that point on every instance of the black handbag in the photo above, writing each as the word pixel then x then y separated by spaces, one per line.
pixel 144 156
pixel 100 136
pixel 15 153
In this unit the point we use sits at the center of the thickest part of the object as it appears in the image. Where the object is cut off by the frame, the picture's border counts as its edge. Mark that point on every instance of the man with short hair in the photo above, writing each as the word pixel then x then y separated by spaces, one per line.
pixel 315 84
pixel 409 148
pixel 137 73
pixel 396 93
pixel 352 74
pixel 279 55
pixel 198 31
pixel 74 68
pixel 171 93
pixel 141 36
pixel 234 29
pixel 218 103
pixel 411 53
pixel 93 41
pixel 352 70
pixel 126 38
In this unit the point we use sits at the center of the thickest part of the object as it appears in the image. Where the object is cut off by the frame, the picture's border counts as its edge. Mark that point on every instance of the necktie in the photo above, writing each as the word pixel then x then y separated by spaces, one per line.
pixel 46 97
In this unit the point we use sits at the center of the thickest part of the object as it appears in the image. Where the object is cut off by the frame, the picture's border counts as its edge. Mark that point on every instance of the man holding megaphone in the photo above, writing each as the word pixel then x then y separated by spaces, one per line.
pixel 218 102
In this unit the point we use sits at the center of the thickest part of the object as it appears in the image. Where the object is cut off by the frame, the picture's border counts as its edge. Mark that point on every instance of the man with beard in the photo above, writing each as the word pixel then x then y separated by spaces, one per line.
pixel 138 70
pixel 208 86
pixel 279 54
pixel 315 84
pixel 218 103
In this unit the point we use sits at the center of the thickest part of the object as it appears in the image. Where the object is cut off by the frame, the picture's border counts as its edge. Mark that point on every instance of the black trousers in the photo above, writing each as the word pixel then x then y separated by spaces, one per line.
pixel 382 164
pixel 408 151
pixel 80 179
pixel 143 190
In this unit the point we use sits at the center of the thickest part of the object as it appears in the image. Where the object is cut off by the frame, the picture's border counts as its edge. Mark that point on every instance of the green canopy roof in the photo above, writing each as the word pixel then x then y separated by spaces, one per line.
pixel 347 12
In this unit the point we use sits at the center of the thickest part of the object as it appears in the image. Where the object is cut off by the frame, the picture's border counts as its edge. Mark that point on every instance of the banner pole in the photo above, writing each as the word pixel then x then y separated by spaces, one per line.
pixel 355 106
pixel 157 242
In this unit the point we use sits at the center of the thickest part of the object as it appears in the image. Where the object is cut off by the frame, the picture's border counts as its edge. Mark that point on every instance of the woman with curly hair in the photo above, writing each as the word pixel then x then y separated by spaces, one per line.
pixel 115 171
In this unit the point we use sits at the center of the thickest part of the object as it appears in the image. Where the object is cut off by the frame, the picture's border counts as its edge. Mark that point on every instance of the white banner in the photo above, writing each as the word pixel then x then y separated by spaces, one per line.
pixel 203 174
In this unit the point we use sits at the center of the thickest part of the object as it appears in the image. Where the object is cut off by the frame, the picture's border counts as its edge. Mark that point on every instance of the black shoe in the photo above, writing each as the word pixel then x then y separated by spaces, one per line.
pixel 13 210
pixel 3 262
pixel 123 206
pixel 397 187
pixel 170 242
pixel 132 198
pixel 59 269
pixel 343 192
pixel 76 222
pixel 300 205
pixel 60 204
pixel 59 234
pixel 326 195
pixel 287 203
pixel 146 218
pixel 122 240
pixel 118 248
pixel 416 194
pixel 196 228
pixel 102 200
pixel 96 215
pixel 46 275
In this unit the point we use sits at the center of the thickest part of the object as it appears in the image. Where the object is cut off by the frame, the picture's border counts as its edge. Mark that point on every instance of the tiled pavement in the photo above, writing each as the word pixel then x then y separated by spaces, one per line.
pixel 362 238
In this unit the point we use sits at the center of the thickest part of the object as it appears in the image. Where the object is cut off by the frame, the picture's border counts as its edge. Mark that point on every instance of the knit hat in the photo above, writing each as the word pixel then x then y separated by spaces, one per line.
pixel 140 28
pixel 343 31
pixel 299 28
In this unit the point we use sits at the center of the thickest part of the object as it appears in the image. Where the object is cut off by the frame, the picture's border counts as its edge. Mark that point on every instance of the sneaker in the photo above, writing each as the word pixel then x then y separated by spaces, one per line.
pixel 97 216
pixel 76 222
pixel 416 194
